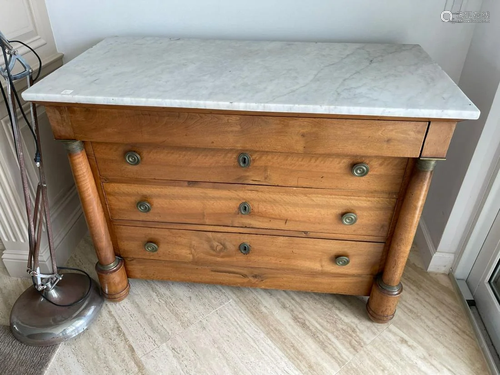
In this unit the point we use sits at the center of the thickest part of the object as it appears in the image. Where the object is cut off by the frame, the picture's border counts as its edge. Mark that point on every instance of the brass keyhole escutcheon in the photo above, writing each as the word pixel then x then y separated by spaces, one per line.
pixel 151 247
pixel 244 160
pixel 349 218
pixel 132 157
pixel 360 170
pixel 245 248
pixel 245 208
pixel 144 206
pixel 342 261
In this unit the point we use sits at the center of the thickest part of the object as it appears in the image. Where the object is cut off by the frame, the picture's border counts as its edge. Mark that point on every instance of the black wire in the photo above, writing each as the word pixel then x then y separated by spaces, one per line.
pixel 13 88
pixel 36 54
pixel 8 112
pixel 72 303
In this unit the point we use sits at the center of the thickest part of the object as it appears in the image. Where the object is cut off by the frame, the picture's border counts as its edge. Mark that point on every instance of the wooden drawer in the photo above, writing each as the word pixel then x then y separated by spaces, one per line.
pixel 273 262
pixel 265 278
pixel 291 209
pixel 266 252
pixel 309 135
pixel 262 168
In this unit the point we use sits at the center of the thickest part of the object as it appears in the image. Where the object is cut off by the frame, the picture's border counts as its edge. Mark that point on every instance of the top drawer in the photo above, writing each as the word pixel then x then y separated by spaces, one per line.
pixel 380 175
pixel 255 132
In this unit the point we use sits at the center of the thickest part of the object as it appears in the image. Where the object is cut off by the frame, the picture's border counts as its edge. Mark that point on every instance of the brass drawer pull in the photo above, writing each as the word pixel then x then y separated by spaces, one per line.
pixel 132 157
pixel 349 218
pixel 244 160
pixel 151 247
pixel 245 208
pixel 360 170
pixel 245 248
pixel 144 206
pixel 342 261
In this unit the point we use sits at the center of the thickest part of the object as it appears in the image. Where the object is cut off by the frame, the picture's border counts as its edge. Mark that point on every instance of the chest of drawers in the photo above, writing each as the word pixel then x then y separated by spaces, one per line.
pixel 319 202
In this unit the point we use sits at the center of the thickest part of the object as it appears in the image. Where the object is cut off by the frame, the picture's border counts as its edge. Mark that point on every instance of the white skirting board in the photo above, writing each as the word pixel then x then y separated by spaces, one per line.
pixel 434 261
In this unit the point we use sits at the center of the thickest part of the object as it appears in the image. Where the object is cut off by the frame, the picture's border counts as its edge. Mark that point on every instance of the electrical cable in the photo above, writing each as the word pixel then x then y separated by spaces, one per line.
pixel 8 111
pixel 72 303
pixel 36 54
pixel 13 89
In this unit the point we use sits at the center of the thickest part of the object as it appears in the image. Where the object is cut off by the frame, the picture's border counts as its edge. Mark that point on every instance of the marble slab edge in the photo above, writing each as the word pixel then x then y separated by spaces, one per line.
pixel 473 114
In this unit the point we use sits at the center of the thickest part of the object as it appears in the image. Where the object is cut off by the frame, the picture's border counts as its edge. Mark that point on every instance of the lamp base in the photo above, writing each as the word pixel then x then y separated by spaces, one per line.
pixel 35 321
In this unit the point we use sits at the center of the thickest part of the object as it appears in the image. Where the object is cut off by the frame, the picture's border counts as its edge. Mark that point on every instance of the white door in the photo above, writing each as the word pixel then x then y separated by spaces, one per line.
pixel 484 283
pixel 484 278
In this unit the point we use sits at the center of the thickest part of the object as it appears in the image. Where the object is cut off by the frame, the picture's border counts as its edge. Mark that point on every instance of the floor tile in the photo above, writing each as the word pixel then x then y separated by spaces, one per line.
pixel 180 328
pixel 319 333
pixel 430 313
pixel 225 342
pixel 102 349
pixel 155 310
pixel 393 352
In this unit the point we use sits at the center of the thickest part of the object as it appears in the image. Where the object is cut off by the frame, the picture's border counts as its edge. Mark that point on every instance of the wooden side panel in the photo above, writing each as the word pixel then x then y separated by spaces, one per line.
pixel 60 122
pixel 256 278
pixel 438 139
pixel 222 249
pixel 266 168
pixel 257 133
pixel 271 207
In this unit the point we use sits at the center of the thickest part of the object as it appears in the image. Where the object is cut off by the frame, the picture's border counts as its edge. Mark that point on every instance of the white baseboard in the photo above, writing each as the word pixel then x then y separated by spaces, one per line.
pixel 434 261
pixel 71 227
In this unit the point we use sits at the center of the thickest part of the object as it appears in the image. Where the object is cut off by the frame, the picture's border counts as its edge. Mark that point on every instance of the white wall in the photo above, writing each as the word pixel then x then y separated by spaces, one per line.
pixel 78 25
pixel 459 183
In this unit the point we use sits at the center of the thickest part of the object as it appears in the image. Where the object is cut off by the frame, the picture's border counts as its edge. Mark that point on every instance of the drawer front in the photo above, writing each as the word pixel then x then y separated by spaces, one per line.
pixel 243 132
pixel 265 278
pixel 383 175
pixel 250 251
pixel 292 209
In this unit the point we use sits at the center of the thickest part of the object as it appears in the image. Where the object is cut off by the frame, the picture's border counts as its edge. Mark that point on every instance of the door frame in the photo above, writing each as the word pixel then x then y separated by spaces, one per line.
pixel 486 211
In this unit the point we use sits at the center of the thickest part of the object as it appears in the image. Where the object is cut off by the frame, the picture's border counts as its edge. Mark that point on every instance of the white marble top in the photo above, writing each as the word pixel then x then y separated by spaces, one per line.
pixel 330 78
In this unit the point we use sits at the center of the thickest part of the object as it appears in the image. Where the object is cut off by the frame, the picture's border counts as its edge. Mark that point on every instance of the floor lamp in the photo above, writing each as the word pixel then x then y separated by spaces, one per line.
pixel 64 301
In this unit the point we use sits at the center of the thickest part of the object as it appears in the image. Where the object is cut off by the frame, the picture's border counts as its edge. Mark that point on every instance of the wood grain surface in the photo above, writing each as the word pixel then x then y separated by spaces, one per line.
pixel 406 227
pixel 92 207
pixel 438 139
pixel 258 133
pixel 97 178
pixel 263 231
pixel 222 249
pixel 248 277
pixel 271 207
pixel 266 168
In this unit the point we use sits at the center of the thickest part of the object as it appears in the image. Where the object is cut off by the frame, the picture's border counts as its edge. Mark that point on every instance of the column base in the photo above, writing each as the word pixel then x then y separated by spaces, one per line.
pixel 114 282
pixel 381 306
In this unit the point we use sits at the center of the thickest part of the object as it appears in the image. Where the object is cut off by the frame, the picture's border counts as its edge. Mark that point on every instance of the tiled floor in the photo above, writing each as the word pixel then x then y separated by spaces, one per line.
pixel 177 328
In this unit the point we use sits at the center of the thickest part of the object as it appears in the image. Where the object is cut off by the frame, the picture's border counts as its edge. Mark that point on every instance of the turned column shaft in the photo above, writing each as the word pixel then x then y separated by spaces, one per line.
pixel 110 269
pixel 92 207
pixel 407 224
pixel 387 287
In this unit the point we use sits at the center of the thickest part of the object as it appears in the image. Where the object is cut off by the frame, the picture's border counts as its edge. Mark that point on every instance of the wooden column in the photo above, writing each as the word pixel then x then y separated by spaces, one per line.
pixel 387 288
pixel 110 269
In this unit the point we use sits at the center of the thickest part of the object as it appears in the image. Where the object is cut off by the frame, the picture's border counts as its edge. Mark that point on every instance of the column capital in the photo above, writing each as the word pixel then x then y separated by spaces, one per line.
pixel 73 146
pixel 426 165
